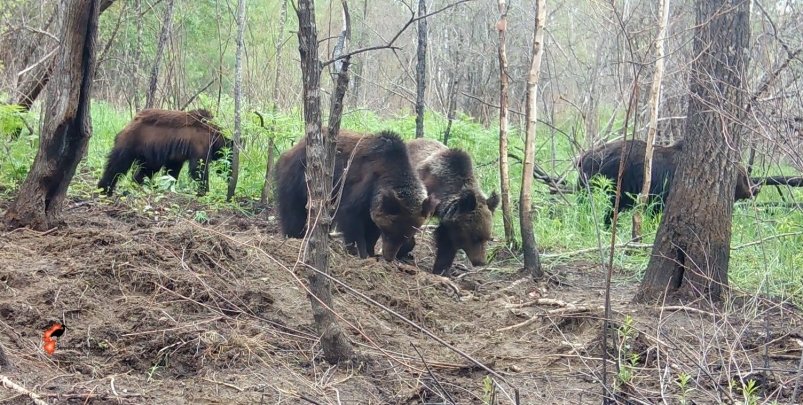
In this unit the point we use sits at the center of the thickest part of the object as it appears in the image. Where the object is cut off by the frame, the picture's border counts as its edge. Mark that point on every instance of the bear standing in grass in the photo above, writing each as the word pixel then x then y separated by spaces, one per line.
pixel 604 161
pixel 381 194
pixel 465 214
pixel 157 139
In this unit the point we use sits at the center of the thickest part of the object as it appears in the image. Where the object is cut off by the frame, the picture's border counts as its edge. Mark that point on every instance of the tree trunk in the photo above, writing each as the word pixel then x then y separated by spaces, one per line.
pixel 357 68
pixel 320 169
pixel 532 263
pixel 421 70
pixel 452 106
pixel 264 198
pixel 135 68
pixel 238 99
pixel 504 163
pixel 653 105
pixel 150 96
pixel 67 125
pixel 692 248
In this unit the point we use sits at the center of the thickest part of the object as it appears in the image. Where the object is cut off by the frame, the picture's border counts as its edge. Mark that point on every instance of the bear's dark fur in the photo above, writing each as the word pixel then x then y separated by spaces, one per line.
pixel 463 211
pixel 157 139
pixel 381 194
pixel 604 161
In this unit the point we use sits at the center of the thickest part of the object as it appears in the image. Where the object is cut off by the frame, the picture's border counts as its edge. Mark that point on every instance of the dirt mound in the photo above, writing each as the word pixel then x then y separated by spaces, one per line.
pixel 162 309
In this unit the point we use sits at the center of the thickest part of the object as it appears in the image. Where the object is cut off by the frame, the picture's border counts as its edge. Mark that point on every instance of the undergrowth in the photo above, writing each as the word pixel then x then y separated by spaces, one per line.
pixel 765 248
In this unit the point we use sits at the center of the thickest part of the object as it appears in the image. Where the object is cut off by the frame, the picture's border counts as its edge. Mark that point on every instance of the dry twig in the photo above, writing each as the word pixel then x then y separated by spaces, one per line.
pixel 22 390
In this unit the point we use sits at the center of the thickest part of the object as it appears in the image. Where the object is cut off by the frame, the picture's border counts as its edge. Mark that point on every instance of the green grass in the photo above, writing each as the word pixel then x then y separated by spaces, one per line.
pixel 562 226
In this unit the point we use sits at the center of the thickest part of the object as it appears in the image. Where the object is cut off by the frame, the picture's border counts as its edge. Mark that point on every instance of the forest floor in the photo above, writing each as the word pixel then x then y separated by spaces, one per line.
pixel 162 309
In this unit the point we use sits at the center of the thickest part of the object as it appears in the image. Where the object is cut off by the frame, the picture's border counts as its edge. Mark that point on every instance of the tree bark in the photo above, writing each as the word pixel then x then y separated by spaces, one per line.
pixel 135 68
pixel 504 163
pixel 691 252
pixel 653 105
pixel 67 125
pixel 320 167
pixel 264 198
pixel 357 68
pixel 455 85
pixel 150 96
pixel 532 263
pixel 421 70
pixel 238 100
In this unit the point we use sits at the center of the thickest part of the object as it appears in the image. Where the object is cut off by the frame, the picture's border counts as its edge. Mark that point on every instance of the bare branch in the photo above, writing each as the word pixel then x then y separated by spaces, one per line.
pixel 390 43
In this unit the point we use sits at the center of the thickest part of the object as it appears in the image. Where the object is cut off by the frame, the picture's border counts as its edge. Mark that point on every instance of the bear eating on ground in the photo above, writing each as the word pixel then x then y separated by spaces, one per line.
pixel 464 213
pixel 157 139
pixel 604 161
pixel 381 194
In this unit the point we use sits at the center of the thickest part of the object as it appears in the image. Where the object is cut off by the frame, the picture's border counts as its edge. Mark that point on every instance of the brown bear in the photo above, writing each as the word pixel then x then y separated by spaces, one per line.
pixel 159 139
pixel 463 211
pixel 604 161
pixel 381 194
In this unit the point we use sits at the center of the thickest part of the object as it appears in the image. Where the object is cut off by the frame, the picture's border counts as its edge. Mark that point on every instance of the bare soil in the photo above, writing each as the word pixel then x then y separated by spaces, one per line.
pixel 161 309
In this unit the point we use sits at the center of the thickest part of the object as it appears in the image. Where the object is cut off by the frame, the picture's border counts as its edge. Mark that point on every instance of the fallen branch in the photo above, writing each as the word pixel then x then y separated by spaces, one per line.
pixel 780 235
pixel 627 245
pixel 686 309
pixel 541 175
pixel 543 301
pixel 22 390
pixel 791 181
pixel 776 204
pixel 564 307
pixel 559 311
pixel 445 393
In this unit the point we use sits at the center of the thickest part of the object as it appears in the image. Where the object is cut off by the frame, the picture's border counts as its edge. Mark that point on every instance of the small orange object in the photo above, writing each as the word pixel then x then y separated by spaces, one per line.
pixel 55 330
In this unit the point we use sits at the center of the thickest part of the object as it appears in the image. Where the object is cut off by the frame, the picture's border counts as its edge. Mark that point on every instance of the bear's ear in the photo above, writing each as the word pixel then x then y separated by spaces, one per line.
pixel 492 201
pixel 389 203
pixel 428 206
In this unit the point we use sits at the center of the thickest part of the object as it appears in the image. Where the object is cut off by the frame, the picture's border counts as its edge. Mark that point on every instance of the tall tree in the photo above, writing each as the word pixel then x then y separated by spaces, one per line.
pixel 135 68
pixel 238 99
pixel 421 69
pixel 692 248
pixel 150 96
pixel 504 164
pixel 653 105
pixel 266 186
pixel 320 169
pixel 362 60
pixel 67 124
pixel 532 262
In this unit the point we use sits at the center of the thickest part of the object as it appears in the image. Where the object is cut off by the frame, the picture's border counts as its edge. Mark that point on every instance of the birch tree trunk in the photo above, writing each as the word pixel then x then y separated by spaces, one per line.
pixel 421 70
pixel 504 164
pixel 691 252
pixel 532 262
pixel 67 123
pixel 264 198
pixel 238 99
pixel 135 68
pixel 653 105
pixel 150 96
